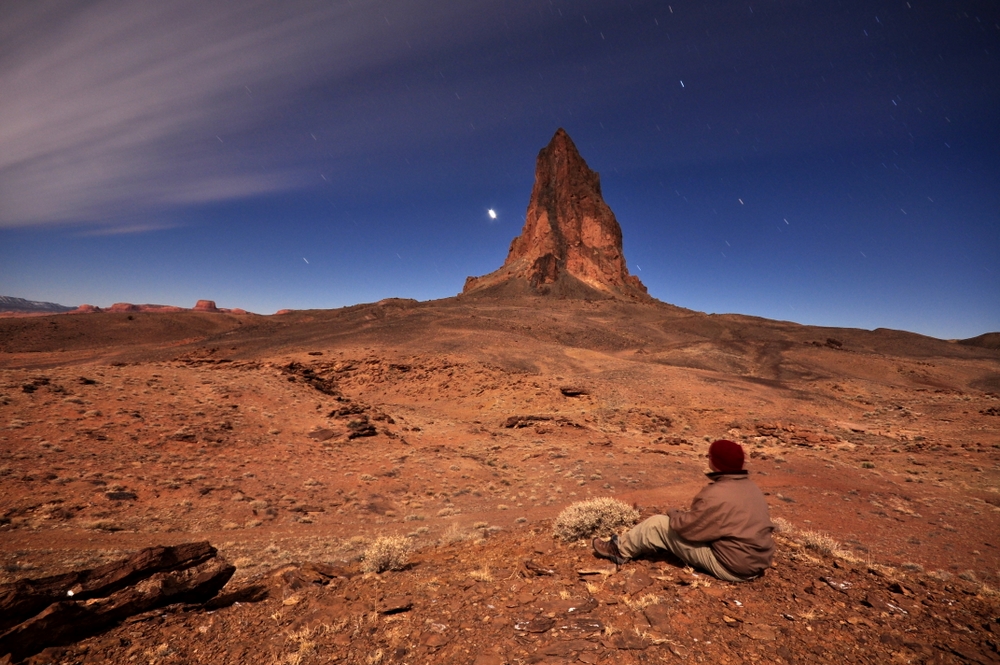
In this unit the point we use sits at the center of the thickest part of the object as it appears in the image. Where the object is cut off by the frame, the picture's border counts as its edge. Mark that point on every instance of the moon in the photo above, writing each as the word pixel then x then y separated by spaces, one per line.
pixel 492 213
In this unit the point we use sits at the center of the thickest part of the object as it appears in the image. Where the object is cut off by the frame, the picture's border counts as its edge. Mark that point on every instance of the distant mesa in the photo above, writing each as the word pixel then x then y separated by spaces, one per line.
pixel 205 306
pixel 571 243
pixel 129 307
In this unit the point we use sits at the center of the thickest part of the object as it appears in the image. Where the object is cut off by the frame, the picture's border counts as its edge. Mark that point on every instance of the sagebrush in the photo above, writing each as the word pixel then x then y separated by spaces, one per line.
pixel 386 553
pixel 599 517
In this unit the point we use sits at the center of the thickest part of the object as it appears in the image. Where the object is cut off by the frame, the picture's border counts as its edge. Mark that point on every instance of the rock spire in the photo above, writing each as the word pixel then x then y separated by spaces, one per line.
pixel 571 243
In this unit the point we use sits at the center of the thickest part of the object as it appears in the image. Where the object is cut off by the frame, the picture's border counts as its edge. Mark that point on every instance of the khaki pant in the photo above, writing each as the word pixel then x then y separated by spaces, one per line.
pixel 654 534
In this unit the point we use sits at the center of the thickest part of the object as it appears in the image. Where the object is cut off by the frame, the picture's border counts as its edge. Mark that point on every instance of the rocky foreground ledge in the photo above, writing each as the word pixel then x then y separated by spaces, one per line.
pixel 36 614
pixel 526 598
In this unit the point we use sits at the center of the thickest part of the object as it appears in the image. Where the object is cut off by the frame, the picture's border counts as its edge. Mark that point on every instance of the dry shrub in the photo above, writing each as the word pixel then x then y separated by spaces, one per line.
pixel 386 553
pixel 820 542
pixel 825 545
pixel 602 516
pixel 455 534
pixel 102 525
pixel 814 540
pixel 781 525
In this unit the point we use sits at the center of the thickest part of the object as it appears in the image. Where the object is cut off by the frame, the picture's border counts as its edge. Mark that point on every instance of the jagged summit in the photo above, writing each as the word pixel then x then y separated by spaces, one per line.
pixel 571 243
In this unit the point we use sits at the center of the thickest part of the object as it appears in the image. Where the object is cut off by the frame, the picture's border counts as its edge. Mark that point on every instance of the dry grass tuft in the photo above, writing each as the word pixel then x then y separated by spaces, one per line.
pixel 386 553
pixel 602 516
pixel 814 540
pixel 455 534
pixel 642 602
pixel 304 644
pixel 819 542
pixel 781 525
pixel 484 574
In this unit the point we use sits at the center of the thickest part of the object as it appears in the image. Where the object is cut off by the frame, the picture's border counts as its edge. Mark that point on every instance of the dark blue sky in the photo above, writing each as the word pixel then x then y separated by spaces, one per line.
pixel 827 163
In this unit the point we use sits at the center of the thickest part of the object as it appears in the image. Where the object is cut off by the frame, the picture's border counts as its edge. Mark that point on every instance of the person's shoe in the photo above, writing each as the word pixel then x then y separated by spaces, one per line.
pixel 608 549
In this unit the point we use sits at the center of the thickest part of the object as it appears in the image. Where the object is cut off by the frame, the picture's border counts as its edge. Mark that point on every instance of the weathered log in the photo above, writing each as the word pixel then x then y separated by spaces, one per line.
pixel 24 599
pixel 69 621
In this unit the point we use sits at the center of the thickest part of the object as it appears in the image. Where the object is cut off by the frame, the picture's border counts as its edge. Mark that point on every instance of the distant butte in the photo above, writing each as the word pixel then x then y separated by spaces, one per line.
pixel 571 243
pixel 205 306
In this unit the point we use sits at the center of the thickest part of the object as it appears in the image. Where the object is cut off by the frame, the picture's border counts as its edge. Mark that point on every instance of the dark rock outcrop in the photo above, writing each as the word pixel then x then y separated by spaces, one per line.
pixel 59 610
pixel 571 243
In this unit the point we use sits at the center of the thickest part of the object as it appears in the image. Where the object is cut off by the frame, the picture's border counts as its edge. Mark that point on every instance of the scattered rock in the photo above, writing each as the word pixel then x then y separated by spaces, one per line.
pixel 760 632
pixel 530 568
pixel 489 659
pixel 434 639
pixel 322 434
pixel 524 421
pixel 395 605
pixel 536 625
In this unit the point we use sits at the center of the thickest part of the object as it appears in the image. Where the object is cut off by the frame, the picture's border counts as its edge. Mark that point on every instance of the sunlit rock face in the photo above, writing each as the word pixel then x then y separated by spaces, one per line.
pixel 571 243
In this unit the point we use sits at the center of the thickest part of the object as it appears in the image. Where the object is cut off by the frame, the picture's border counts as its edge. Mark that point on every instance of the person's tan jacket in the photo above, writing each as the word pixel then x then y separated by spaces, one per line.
pixel 730 514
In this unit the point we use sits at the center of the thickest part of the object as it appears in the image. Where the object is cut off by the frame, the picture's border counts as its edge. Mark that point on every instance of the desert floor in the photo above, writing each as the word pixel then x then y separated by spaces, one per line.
pixel 467 426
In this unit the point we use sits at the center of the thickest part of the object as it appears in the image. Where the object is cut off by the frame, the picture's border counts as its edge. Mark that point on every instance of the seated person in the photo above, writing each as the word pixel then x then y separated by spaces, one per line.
pixel 726 532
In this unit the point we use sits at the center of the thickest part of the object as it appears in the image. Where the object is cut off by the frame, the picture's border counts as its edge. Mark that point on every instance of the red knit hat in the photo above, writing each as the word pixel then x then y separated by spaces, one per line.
pixel 725 455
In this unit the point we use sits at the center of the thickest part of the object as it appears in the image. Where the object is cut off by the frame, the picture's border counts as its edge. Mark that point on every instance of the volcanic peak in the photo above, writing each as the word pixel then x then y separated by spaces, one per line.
pixel 571 243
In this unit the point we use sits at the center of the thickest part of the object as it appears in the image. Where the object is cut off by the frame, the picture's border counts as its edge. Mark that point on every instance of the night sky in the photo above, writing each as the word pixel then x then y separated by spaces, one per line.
pixel 831 163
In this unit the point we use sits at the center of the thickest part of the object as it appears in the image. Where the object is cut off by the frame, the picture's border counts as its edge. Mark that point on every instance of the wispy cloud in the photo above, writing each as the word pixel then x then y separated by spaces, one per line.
pixel 125 229
pixel 115 107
